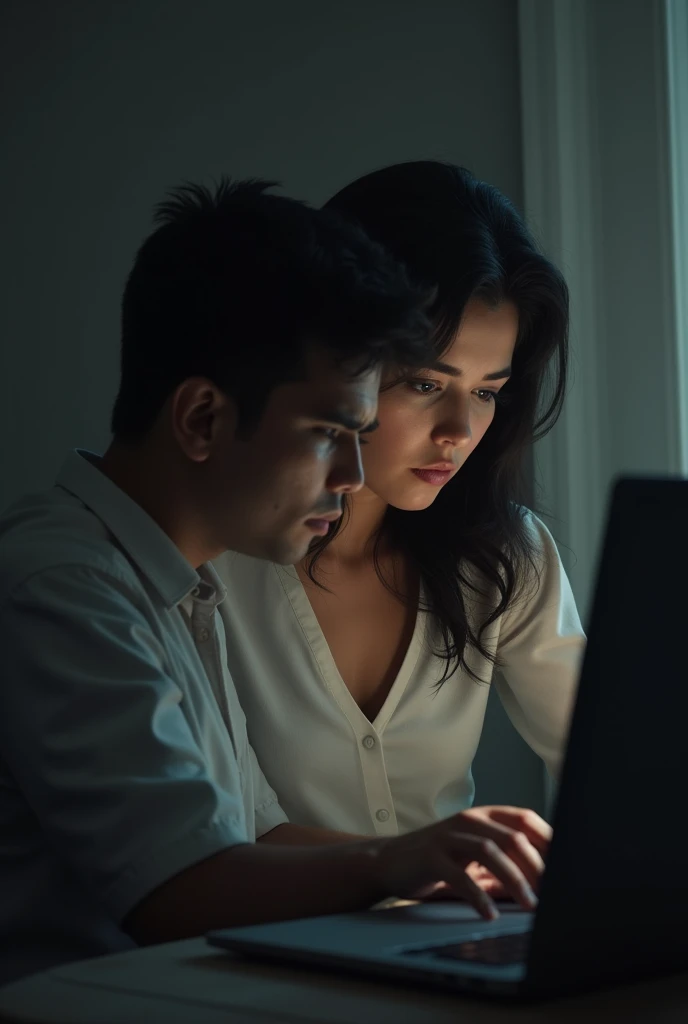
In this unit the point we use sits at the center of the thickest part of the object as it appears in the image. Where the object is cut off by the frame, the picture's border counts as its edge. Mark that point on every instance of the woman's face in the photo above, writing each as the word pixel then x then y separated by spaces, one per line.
pixel 430 423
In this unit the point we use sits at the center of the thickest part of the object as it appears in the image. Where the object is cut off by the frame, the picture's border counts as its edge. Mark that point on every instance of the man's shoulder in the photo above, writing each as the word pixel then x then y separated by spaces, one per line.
pixel 53 531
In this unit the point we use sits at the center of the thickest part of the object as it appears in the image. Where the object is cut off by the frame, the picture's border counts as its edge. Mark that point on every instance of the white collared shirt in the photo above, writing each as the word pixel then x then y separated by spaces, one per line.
pixel 411 766
pixel 123 750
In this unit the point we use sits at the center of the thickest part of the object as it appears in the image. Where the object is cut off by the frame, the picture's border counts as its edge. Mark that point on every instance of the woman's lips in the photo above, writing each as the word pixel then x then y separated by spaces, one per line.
pixel 435 477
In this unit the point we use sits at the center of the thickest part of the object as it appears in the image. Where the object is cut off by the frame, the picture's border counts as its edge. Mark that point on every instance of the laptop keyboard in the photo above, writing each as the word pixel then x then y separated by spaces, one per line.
pixel 495 950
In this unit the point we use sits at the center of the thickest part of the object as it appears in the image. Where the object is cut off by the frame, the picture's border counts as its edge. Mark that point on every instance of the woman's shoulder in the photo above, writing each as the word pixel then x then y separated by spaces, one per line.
pixel 530 563
pixel 543 547
pixel 542 577
pixel 526 545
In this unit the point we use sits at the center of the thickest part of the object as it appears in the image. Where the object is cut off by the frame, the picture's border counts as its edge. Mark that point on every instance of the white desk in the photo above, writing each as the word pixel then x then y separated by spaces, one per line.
pixel 191 983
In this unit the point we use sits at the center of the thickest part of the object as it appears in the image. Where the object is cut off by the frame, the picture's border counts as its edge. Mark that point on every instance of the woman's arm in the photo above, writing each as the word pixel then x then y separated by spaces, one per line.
pixel 540 651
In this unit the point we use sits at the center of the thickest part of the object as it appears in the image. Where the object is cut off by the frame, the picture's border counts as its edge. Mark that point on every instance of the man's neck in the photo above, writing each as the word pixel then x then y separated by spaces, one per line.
pixel 140 472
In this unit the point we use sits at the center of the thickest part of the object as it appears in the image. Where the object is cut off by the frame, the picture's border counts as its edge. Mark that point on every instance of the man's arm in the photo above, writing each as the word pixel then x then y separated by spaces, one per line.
pixel 94 732
pixel 254 883
pixel 307 835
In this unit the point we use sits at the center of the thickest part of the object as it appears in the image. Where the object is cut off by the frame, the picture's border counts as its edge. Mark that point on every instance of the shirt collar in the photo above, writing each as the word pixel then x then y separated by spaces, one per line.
pixel 146 543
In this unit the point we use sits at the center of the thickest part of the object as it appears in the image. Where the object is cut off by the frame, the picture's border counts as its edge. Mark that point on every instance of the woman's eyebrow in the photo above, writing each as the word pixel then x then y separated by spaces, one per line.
pixel 452 371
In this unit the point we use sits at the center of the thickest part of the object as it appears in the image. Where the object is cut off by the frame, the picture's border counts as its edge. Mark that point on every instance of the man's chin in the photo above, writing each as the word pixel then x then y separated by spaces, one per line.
pixel 290 550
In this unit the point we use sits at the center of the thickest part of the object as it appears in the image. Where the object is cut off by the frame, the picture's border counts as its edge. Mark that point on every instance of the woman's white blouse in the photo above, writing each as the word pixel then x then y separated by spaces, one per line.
pixel 328 764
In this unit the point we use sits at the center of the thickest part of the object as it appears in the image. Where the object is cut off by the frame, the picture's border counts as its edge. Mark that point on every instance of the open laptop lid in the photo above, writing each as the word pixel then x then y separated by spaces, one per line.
pixel 614 902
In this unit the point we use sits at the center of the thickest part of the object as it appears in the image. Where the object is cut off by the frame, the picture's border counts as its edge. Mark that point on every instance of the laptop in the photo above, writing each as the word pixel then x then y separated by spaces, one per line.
pixel 614 896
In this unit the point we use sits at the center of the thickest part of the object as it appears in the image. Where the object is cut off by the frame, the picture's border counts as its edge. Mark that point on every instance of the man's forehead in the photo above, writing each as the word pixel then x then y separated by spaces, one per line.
pixel 353 402
pixel 344 402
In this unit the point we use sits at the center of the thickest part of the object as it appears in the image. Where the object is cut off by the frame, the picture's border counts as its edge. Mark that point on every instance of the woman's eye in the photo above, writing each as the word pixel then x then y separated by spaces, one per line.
pixel 423 387
pixel 486 396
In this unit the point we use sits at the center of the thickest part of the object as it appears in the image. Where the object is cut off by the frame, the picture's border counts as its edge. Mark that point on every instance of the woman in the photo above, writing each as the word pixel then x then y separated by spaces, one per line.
pixel 363 671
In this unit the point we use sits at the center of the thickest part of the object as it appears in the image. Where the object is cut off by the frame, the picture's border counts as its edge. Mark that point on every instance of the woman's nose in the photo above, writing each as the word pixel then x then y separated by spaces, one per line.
pixel 455 426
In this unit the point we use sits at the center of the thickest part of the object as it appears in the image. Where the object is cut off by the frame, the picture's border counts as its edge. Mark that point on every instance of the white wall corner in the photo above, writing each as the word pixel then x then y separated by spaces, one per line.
pixel 676 29
pixel 600 157
pixel 559 204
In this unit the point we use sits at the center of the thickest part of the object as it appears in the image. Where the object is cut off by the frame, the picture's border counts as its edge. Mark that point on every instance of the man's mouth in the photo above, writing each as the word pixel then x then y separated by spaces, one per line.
pixel 321 524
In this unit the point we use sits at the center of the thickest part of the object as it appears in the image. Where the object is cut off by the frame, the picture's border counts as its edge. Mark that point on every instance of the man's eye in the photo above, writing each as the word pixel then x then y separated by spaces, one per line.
pixel 331 433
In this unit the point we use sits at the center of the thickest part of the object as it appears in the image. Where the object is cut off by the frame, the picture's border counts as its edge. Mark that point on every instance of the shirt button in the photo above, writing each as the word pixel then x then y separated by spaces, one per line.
pixel 203 635
pixel 382 814
pixel 369 742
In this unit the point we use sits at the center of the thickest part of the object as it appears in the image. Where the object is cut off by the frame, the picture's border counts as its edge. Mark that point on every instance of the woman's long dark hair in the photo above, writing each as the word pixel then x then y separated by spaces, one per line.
pixel 466 239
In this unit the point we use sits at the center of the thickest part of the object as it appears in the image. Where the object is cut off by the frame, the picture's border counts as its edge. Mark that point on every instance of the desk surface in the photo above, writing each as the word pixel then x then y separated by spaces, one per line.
pixel 190 982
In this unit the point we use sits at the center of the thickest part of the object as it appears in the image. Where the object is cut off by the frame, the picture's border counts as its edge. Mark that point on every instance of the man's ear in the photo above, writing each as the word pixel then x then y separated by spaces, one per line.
pixel 200 410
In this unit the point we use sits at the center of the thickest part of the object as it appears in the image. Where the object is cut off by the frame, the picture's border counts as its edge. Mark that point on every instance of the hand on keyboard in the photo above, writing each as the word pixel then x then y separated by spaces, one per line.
pixel 507 842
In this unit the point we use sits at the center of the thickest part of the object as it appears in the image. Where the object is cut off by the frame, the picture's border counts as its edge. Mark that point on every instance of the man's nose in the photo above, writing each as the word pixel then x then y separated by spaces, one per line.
pixel 346 475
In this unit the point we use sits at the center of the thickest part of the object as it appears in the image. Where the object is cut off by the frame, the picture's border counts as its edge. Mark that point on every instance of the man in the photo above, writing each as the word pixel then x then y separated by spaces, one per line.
pixel 253 333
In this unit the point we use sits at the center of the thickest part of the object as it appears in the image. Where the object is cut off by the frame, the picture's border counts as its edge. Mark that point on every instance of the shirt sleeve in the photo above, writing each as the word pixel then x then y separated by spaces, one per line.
pixel 268 813
pixel 540 652
pixel 94 732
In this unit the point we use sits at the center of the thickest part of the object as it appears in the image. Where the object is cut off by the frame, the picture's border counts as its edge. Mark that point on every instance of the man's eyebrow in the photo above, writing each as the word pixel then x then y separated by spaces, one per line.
pixel 452 371
pixel 344 419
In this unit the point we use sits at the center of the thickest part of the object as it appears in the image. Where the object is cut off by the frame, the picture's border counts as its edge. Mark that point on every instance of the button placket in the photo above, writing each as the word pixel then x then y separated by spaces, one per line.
pixel 203 628
pixel 376 784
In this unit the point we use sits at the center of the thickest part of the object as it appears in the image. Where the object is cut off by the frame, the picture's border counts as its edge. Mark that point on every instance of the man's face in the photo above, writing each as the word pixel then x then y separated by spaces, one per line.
pixel 274 492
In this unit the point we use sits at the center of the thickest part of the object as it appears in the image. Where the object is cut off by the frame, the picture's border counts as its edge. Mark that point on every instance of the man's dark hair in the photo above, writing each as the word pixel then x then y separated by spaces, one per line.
pixel 235 283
